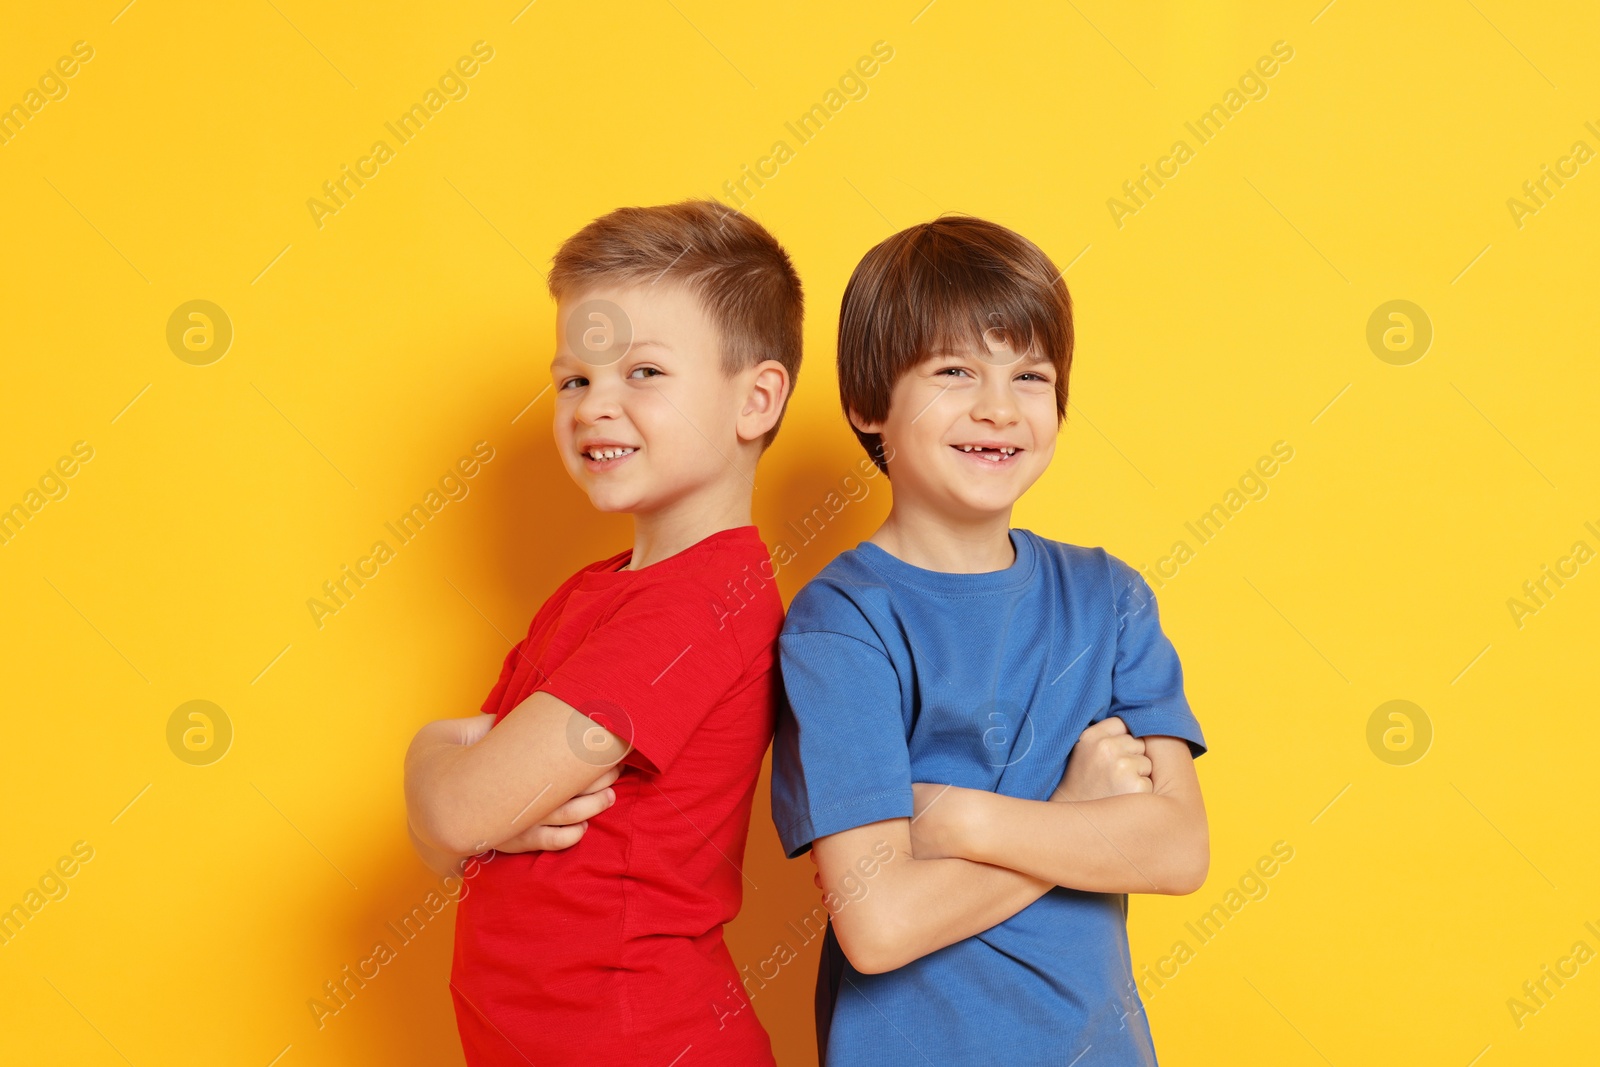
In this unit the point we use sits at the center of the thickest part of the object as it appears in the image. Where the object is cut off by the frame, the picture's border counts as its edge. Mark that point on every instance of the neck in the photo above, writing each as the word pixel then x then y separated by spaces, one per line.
pixel 669 530
pixel 935 541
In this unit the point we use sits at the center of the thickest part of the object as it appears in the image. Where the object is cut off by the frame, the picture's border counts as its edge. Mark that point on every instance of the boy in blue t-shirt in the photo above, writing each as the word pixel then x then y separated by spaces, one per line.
pixel 940 675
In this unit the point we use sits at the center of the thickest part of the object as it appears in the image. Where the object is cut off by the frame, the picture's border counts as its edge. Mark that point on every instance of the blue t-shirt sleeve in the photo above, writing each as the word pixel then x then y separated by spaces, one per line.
pixel 1146 678
pixel 839 759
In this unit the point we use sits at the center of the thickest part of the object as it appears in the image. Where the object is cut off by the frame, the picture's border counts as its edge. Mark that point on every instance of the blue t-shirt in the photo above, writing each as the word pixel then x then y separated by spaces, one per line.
pixel 895 674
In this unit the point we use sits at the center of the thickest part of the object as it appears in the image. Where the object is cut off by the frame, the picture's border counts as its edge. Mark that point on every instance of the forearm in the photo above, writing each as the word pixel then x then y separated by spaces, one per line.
pixel 889 908
pixel 438 860
pixel 1133 843
pixel 931 904
pixel 455 802
pixel 470 788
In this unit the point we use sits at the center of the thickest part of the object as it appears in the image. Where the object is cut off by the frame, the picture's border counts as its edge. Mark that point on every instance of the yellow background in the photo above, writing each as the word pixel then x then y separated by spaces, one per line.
pixel 1227 314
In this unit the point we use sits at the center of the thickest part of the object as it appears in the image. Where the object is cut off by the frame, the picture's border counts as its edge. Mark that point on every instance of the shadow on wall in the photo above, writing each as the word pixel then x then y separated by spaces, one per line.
pixel 540 527
pixel 379 992
pixel 809 515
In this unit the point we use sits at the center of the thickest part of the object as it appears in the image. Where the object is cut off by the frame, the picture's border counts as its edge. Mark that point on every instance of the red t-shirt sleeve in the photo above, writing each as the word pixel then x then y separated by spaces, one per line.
pixel 653 670
pixel 508 670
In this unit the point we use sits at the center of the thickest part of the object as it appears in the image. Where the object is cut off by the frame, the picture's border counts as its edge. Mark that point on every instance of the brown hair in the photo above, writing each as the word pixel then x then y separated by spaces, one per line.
pixel 745 282
pixel 934 285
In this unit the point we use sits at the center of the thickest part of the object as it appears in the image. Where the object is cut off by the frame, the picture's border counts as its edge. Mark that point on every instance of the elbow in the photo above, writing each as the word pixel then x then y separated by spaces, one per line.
pixel 430 829
pixel 870 944
pixel 874 962
pixel 438 812
pixel 1191 862
pixel 459 842
pixel 1188 877
pixel 435 825
pixel 455 832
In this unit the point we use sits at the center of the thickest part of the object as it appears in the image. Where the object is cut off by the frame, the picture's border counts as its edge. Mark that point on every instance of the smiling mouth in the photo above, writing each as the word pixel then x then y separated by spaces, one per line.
pixel 599 455
pixel 606 457
pixel 998 456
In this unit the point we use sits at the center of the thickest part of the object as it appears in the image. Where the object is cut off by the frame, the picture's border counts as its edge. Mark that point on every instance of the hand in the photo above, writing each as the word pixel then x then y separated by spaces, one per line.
pixel 458 731
pixel 474 729
pixel 937 820
pixel 1107 761
pixel 565 826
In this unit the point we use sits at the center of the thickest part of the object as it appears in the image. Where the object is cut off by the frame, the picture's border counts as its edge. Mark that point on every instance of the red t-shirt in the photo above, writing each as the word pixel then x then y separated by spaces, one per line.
pixel 611 951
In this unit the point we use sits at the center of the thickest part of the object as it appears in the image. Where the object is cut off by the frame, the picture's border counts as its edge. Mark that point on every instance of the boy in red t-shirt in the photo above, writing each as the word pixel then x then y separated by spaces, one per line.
pixel 628 727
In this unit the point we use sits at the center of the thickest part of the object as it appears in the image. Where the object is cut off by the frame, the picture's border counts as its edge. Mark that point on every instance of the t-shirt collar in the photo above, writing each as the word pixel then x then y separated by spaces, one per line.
pixel 613 569
pixel 947 583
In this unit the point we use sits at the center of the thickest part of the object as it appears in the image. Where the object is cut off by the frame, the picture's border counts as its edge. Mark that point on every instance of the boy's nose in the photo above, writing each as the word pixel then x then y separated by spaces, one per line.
pixel 599 402
pixel 995 405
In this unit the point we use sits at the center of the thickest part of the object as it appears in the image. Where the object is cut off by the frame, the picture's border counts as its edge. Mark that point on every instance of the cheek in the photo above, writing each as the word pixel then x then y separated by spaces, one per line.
pixel 658 418
pixel 561 428
pixel 564 431
pixel 920 449
pixel 1042 422
pixel 923 418
pixel 692 414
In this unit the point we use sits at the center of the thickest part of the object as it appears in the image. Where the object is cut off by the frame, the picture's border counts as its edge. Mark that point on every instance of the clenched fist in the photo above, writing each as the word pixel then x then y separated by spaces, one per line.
pixel 1107 761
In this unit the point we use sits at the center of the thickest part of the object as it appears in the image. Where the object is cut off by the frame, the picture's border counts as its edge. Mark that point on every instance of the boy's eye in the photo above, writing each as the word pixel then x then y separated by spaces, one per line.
pixel 644 372
pixel 568 383
pixel 950 370
pixel 1034 376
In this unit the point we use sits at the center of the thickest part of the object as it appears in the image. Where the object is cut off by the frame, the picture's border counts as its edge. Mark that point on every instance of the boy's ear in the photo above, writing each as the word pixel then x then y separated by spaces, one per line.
pixel 862 424
pixel 763 403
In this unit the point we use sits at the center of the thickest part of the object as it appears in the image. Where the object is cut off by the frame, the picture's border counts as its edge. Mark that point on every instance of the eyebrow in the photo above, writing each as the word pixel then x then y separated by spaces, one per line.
pixel 636 344
pixel 1031 357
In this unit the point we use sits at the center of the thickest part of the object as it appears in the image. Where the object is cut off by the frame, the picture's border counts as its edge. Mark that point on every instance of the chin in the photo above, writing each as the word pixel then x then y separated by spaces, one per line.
pixel 987 503
pixel 612 502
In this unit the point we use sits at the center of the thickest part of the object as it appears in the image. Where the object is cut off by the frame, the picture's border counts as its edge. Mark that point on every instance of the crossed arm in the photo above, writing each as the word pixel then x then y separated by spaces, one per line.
pixel 1126 818
pixel 530 783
